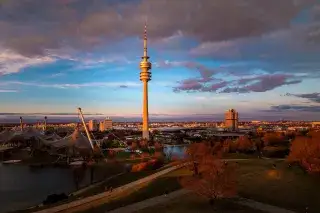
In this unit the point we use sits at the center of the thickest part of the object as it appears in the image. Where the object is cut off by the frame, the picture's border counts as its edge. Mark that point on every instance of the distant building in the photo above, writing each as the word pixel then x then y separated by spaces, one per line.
pixel 255 122
pixel 93 125
pixel 315 124
pixel 231 120
pixel 105 125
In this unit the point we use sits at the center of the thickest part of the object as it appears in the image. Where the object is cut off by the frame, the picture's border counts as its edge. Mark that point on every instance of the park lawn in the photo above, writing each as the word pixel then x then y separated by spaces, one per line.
pixel 155 188
pixel 285 187
pixel 166 184
pixel 192 203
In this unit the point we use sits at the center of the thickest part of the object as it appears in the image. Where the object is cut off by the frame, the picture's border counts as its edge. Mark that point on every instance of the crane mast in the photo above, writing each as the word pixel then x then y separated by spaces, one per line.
pixel 85 128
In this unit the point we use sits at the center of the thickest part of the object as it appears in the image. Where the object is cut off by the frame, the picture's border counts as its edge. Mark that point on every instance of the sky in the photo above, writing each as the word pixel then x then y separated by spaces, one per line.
pixel 260 57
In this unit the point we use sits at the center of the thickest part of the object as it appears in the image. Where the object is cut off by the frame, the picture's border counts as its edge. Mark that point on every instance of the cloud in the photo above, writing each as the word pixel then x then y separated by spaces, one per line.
pixel 314 97
pixel 212 98
pixel 55 75
pixel 292 50
pixel 296 108
pixel 84 24
pixel 261 83
pixel 11 62
pixel 265 83
pixel 283 44
pixel 315 12
pixel 188 85
pixel 7 91
pixel 204 72
pixel 74 86
pixel 81 85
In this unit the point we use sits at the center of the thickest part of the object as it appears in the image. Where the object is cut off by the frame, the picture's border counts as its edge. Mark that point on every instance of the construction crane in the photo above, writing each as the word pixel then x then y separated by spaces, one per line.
pixel 85 127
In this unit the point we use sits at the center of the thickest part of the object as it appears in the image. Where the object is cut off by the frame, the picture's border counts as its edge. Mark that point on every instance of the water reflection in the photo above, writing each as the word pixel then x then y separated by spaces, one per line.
pixel 22 187
pixel 18 183
pixel 176 152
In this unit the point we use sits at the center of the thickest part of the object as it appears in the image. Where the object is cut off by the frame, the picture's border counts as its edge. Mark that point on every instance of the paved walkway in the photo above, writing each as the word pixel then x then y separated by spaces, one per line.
pixel 165 198
pixel 262 206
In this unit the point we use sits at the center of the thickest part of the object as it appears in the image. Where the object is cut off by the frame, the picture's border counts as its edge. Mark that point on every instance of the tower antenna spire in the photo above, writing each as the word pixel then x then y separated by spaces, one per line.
pixel 145 39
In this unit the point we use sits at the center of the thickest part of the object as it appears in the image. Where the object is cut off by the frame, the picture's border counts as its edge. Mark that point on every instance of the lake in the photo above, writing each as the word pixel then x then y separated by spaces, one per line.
pixel 22 187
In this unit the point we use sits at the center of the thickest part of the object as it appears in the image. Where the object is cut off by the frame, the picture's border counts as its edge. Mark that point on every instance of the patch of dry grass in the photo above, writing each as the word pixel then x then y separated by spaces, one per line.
pixel 192 203
pixel 285 187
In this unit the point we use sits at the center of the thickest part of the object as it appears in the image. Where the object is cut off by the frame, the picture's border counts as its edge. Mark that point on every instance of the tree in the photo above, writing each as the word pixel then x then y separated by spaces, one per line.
pixel 306 152
pixel 134 145
pixel 244 144
pixel 273 139
pixel 227 146
pixel 145 156
pixel 217 179
pixel 111 154
pixel 194 154
pixel 143 144
pixel 158 146
pixel 259 146
pixel 158 155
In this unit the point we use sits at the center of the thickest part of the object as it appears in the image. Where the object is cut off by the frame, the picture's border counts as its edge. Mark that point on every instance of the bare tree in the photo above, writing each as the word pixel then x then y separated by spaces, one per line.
pixel 216 179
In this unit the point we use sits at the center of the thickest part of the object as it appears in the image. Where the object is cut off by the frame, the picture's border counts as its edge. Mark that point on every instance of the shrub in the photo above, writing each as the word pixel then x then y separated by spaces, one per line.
pixel 139 167
pixel 155 164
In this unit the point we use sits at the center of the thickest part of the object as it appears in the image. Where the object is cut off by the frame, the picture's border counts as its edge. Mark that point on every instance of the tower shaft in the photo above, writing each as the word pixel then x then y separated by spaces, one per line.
pixel 145 112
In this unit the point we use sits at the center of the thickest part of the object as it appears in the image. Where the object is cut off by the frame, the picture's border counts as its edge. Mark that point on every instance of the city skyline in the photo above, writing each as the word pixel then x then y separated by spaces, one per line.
pixel 86 54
